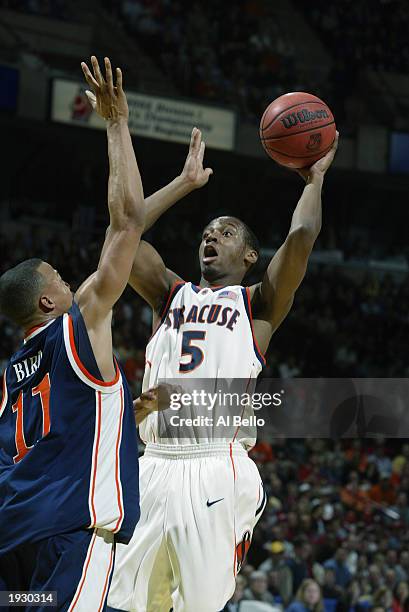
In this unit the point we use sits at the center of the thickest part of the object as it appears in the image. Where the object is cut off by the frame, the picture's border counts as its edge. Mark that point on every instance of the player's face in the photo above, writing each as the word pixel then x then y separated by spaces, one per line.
pixel 222 249
pixel 56 295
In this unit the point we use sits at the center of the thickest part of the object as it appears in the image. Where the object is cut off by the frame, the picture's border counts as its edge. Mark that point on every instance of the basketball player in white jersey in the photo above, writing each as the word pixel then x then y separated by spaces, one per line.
pixel 201 499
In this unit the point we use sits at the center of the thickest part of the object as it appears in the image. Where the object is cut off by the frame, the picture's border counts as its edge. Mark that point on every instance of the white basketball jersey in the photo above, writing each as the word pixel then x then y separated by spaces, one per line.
pixel 204 333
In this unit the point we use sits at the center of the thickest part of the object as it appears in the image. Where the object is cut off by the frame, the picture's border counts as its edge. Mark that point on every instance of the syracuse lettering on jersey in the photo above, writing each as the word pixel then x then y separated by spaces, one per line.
pixel 216 314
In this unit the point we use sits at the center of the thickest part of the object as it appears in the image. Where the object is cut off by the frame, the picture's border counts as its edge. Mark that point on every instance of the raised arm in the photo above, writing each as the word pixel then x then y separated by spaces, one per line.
pixel 99 293
pixel 193 176
pixel 150 277
pixel 273 297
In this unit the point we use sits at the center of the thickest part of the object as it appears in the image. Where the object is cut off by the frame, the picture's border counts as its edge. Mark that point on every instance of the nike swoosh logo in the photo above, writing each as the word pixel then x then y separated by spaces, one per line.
pixel 213 502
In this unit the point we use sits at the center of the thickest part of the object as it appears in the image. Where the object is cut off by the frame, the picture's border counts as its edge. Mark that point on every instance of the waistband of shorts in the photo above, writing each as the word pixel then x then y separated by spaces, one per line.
pixel 192 451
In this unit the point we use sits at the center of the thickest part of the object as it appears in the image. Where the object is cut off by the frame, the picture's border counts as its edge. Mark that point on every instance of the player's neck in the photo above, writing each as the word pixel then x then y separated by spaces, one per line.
pixel 37 322
pixel 217 283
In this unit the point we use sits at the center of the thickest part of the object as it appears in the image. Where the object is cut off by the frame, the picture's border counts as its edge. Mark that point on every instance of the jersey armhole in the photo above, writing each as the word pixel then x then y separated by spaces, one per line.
pixel 79 368
pixel 166 305
pixel 247 304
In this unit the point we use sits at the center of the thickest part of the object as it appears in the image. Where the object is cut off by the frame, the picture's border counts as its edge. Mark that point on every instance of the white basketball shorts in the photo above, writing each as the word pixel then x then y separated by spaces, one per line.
pixel 199 506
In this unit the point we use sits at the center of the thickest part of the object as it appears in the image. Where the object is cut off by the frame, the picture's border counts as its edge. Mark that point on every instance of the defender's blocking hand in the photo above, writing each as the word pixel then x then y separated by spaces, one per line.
pixel 107 99
pixel 193 172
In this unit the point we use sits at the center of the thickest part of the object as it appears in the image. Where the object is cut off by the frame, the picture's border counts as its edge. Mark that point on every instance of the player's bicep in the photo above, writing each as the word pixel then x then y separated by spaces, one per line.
pixel 150 277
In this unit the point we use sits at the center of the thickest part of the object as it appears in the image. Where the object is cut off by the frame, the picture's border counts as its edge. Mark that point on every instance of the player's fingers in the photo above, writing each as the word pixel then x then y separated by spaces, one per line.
pixel 88 76
pixel 91 98
pixel 108 73
pixel 331 153
pixel 193 140
pixel 149 396
pixel 97 71
pixel 119 80
pixel 202 151
pixel 208 172
pixel 336 141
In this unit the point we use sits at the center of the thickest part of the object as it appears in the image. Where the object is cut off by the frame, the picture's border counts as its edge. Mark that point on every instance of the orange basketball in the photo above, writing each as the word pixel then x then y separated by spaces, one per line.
pixel 297 129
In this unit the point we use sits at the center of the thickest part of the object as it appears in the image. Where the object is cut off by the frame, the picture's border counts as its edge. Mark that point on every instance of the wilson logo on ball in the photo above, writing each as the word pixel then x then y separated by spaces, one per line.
pixel 303 116
pixel 314 142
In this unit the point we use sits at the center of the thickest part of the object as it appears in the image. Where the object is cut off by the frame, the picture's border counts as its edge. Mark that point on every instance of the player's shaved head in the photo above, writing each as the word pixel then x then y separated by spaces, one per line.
pixel 20 290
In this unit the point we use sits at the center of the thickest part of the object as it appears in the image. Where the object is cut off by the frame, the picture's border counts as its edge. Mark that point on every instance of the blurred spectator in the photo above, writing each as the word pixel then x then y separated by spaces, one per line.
pixel 257 589
pixel 400 601
pixel 308 598
pixel 383 492
pixel 383 598
pixel 330 589
pixel 338 564
pixel 298 563
pixel 281 580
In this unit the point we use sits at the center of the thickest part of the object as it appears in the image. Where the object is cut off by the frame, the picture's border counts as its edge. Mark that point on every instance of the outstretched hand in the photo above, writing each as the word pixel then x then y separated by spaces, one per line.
pixel 321 166
pixel 193 171
pixel 156 399
pixel 108 100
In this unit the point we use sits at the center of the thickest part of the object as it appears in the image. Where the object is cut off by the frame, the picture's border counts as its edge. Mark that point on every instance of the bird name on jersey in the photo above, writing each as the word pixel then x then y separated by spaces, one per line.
pixel 216 314
pixel 27 367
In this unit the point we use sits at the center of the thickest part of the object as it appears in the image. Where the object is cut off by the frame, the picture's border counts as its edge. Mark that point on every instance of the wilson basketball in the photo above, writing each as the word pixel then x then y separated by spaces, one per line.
pixel 297 129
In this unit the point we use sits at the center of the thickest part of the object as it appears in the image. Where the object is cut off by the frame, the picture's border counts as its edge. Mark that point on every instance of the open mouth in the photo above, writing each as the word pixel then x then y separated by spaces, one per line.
pixel 209 254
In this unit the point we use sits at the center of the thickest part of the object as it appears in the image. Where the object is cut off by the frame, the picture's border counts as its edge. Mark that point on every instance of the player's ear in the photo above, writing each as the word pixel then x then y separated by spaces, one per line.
pixel 46 304
pixel 251 257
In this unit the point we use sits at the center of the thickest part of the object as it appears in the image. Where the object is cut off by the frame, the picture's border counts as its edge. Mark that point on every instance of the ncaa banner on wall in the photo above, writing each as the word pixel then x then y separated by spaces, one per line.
pixel 149 116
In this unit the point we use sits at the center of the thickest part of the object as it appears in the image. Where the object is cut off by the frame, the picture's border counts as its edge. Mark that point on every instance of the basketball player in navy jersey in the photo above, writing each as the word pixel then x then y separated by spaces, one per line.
pixel 201 498
pixel 68 444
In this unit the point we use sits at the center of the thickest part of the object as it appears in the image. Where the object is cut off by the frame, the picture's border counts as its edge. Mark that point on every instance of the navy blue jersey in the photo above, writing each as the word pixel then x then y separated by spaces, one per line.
pixel 68 441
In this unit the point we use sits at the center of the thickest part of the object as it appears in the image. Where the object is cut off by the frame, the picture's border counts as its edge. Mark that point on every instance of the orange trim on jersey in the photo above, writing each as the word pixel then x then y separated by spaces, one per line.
pixel 234 527
pixel 81 366
pixel 87 560
pixel 34 329
pixel 95 459
pixel 118 484
pixel 106 581
pixel 232 460
pixel 251 325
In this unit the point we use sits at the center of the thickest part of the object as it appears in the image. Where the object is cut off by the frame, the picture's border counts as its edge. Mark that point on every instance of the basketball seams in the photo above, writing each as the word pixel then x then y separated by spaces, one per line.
pixel 287 109
pixel 317 127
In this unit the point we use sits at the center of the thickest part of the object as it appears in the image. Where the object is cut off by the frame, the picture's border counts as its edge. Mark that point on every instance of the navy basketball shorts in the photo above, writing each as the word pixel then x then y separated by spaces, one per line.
pixel 76 565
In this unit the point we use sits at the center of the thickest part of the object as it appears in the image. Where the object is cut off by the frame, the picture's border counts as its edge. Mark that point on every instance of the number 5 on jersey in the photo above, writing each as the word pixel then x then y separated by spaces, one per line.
pixel 188 348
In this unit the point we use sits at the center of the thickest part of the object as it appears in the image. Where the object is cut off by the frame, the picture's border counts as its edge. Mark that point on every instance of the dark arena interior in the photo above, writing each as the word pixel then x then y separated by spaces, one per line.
pixel 334 535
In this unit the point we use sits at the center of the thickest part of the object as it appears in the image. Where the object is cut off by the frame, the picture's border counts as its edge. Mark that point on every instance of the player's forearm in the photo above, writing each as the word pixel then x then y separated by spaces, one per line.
pixel 160 201
pixel 125 192
pixel 308 213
